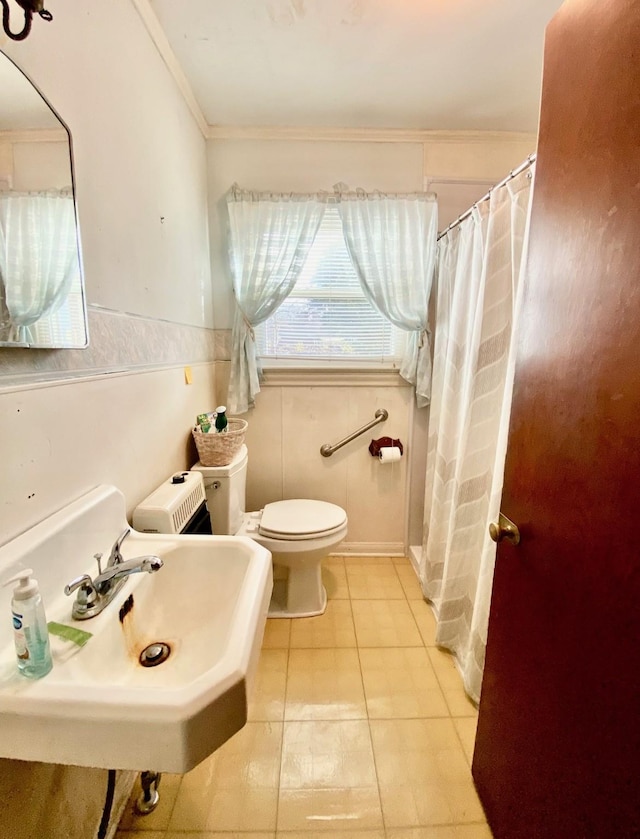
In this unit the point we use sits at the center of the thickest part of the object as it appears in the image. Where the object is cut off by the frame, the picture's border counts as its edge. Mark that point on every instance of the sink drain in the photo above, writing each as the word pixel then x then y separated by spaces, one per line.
pixel 155 654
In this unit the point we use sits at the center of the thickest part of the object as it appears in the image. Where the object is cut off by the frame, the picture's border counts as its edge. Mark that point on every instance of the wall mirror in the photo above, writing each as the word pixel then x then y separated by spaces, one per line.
pixel 42 301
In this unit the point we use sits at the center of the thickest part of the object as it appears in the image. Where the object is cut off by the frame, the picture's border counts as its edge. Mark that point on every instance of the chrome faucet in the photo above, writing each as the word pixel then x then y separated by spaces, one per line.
pixel 105 581
pixel 95 594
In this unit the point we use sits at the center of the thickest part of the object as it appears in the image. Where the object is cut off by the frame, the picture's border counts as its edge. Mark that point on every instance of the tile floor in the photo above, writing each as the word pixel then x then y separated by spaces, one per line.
pixel 358 729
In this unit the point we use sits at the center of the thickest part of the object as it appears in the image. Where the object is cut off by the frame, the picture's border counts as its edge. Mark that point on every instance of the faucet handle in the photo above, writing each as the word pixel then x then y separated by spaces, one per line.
pixel 87 596
pixel 84 580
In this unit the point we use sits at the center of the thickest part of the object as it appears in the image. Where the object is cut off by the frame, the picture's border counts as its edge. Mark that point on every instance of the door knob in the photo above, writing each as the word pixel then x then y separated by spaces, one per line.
pixel 504 528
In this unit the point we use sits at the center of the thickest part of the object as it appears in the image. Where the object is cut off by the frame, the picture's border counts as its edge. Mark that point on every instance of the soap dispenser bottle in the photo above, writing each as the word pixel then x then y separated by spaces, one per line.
pixel 30 632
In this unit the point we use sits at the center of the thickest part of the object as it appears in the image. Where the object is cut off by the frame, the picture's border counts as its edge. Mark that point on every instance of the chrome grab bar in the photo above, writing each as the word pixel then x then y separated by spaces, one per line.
pixel 327 450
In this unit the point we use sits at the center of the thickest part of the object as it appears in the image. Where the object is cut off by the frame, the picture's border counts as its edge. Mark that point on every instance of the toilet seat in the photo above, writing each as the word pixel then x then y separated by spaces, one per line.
pixel 301 519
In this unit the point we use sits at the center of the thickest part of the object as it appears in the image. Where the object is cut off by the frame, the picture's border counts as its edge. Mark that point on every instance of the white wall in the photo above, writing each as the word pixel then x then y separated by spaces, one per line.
pixel 125 414
pixel 290 424
pixel 139 158
pixel 294 416
pixel 35 165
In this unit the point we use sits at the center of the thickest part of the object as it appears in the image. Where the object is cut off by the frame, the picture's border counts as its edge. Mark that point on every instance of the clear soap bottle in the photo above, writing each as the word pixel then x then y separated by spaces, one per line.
pixel 30 632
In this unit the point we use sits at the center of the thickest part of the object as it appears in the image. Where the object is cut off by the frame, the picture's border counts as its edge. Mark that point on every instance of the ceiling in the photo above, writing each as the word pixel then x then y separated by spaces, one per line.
pixel 401 64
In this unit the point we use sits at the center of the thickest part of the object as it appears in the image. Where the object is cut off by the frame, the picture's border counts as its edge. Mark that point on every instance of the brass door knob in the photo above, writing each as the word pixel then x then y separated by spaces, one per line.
pixel 504 528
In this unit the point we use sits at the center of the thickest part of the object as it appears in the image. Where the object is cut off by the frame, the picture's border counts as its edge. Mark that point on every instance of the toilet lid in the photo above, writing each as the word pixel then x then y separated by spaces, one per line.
pixel 301 518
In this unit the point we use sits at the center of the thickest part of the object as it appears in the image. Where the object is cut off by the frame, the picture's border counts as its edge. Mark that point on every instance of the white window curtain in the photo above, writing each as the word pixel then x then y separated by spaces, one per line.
pixel 392 242
pixel 270 236
pixel 479 271
pixel 38 256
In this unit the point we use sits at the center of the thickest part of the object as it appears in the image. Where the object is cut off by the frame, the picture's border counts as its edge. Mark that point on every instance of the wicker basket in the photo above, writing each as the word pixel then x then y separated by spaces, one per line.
pixel 220 449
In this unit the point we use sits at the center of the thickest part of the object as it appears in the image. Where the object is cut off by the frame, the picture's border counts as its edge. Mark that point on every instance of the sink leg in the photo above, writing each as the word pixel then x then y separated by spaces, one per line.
pixel 148 801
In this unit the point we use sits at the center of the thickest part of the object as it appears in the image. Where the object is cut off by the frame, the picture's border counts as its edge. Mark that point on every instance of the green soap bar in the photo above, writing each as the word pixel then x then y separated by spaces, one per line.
pixel 69 633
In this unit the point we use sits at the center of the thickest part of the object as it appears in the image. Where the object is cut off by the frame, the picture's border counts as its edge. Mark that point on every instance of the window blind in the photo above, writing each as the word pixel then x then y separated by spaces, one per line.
pixel 327 317
pixel 66 326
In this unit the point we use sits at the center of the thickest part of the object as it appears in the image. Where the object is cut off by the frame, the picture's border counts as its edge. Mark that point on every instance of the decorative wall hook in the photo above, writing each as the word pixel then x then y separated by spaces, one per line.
pixel 29 7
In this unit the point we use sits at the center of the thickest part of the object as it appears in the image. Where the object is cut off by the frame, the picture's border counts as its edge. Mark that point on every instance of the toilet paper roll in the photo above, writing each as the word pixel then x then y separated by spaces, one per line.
pixel 389 454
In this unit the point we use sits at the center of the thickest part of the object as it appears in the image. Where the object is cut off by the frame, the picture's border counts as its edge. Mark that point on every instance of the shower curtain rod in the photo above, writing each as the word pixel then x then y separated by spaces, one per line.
pixel 512 174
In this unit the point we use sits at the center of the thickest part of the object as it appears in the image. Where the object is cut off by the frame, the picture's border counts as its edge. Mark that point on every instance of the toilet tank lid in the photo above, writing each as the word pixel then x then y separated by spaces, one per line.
pixel 301 516
pixel 239 462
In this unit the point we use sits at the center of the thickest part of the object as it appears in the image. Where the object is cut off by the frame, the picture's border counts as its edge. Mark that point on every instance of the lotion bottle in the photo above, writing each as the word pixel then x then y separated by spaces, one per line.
pixel 30 632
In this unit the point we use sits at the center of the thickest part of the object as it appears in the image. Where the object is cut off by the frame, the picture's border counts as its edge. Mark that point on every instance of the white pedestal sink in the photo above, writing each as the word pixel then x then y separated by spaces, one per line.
pixel 99 706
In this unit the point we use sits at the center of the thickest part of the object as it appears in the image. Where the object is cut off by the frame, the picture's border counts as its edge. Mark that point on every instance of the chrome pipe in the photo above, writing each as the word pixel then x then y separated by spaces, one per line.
pixel 327 450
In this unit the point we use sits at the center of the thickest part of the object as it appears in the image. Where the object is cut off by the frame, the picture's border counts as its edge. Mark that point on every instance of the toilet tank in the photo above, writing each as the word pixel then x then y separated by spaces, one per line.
pixel 225 489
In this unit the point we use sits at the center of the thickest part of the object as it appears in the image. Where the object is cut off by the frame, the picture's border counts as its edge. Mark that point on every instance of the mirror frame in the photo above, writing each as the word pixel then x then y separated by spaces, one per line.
pixel 83 293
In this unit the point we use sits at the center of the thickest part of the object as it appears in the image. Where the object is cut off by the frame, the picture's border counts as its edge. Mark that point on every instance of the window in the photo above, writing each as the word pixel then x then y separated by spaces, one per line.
pixel 326 316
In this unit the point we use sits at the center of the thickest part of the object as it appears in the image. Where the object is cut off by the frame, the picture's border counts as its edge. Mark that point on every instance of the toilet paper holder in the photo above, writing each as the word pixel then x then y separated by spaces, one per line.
pixel 384 442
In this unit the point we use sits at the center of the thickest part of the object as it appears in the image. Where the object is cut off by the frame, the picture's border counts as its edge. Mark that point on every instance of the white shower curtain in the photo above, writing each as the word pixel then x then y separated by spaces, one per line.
pixel 478 279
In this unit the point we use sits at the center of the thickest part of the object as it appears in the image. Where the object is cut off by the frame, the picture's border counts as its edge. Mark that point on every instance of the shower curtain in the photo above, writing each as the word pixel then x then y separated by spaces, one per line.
pixel 478 279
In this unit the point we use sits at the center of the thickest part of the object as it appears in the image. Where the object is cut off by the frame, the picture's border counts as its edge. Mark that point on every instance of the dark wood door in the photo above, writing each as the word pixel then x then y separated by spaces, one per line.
pixel 558 746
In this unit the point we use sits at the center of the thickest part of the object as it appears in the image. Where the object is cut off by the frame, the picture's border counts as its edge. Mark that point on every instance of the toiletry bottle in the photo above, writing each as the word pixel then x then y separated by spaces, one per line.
pixel 221 418
pixel 30 631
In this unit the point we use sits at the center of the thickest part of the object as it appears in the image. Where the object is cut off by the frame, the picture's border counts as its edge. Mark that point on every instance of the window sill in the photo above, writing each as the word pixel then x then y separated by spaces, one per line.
pixel 316 376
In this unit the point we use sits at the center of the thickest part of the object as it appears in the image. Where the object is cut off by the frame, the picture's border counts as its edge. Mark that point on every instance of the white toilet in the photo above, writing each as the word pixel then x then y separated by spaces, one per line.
pixel 299 533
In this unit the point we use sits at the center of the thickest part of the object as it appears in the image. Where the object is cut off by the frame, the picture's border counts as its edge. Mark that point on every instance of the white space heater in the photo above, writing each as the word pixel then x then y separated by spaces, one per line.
pixel 178 505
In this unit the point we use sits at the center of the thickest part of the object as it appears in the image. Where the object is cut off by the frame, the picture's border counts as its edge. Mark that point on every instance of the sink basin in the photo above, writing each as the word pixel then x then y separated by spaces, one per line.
pixel 99 706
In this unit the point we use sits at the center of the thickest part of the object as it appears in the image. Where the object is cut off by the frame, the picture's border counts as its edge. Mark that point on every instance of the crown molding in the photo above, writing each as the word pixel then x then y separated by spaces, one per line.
pixel 35 135
pixel 157 35
pixel 360 135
